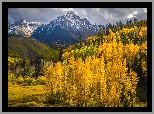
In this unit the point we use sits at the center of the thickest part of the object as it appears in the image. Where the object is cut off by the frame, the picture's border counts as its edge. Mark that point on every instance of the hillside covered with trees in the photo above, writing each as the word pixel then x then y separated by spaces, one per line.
pixel 106 70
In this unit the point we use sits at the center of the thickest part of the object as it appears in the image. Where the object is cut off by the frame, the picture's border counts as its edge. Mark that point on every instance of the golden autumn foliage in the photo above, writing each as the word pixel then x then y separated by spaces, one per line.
pixel 100 77
pixel 80 82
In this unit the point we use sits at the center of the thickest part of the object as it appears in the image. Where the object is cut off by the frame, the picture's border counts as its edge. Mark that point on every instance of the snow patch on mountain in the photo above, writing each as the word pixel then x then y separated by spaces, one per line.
pixel 25 27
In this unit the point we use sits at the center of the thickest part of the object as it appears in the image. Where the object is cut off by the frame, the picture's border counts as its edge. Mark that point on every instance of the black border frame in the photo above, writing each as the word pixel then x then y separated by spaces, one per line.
pixel 6 5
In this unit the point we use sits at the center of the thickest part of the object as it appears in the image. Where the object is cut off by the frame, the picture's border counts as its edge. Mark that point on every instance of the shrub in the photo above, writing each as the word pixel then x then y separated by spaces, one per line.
pixel 41 80
pixel 20 80
pixel 12 78
pixel 28 81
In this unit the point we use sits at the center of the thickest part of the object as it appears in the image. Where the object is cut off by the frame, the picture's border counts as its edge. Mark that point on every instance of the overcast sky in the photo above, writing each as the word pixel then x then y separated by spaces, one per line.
pixel 100 16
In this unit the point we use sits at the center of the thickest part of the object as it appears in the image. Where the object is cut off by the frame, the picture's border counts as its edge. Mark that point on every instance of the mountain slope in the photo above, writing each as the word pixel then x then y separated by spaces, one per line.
pixel 27 48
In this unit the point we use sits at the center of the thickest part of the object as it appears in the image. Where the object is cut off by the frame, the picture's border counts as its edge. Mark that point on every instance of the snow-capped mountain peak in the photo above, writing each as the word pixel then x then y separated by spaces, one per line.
pixel 23 28
pixel 70 14
pixel 67 28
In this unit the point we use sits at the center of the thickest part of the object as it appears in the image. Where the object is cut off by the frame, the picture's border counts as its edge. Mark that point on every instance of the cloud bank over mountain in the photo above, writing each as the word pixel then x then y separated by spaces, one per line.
pixel 100 16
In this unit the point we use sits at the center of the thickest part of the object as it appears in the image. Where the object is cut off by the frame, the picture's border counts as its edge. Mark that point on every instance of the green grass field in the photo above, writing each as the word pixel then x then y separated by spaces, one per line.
pixel 26 96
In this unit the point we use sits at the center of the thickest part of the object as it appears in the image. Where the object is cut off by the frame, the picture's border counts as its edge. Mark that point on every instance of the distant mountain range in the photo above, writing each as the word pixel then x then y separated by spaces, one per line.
pixel 23 28
pixel 64 30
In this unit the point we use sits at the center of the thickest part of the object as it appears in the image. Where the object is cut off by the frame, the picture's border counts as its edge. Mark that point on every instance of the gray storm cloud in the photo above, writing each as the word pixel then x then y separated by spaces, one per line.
pixel 101 16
